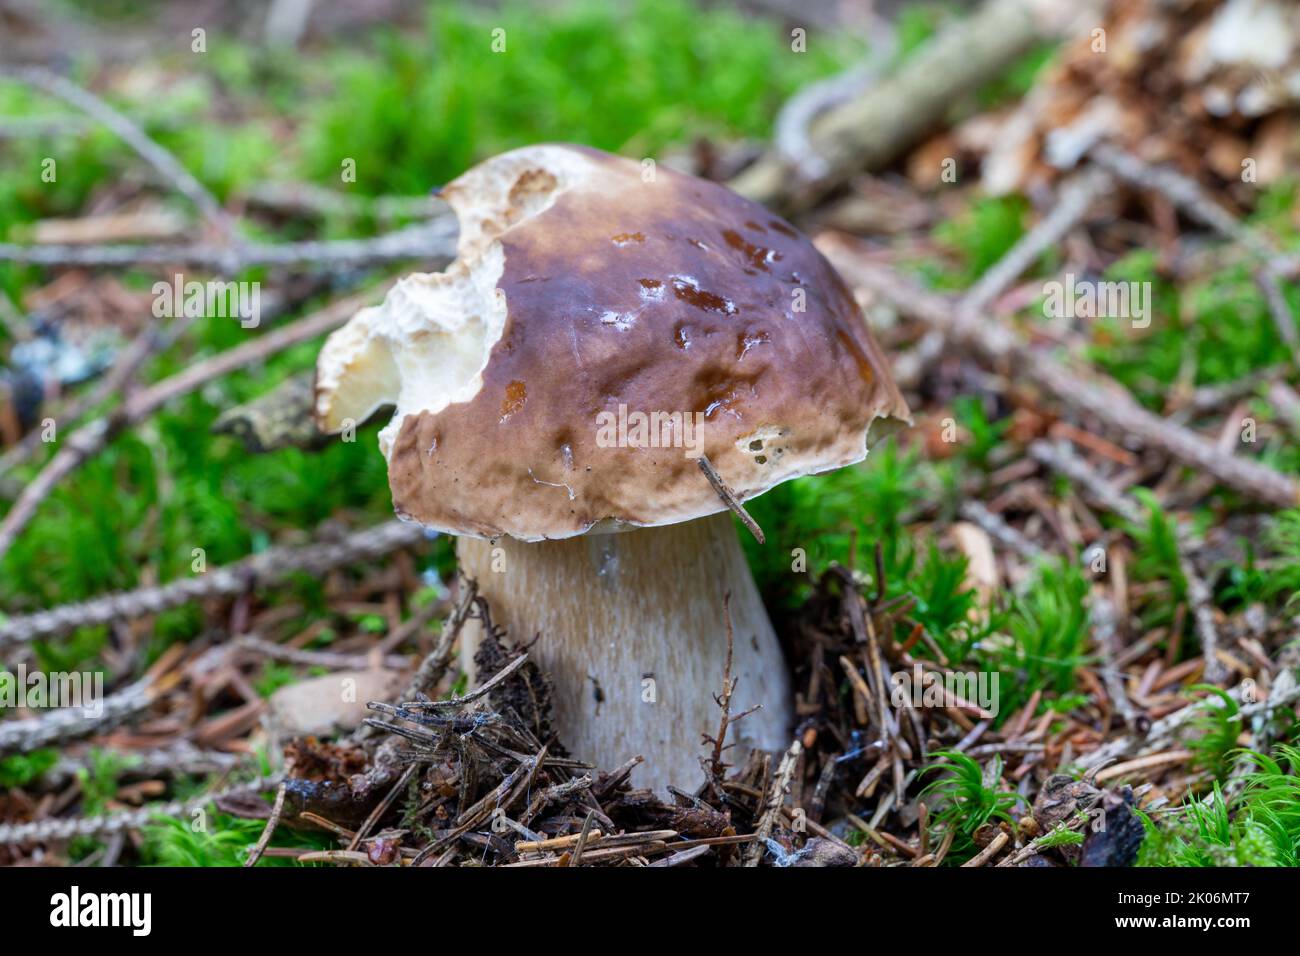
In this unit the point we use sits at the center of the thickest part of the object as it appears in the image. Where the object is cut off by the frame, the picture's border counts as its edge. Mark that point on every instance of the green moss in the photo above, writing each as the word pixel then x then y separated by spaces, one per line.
pixel 978 238
pixel 811 522
pixel 1218 327
pixel 217 839
pixel 18 770
pixel 963 797
pixel 1257 825
pixel 1278 577
pixel 1045 638
pixel 1213 732
pixel 982 436
pixel 633 78
pixel 274 676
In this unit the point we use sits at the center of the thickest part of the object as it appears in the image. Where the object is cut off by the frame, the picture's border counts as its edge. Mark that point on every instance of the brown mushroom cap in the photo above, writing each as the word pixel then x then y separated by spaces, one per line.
pixel 585 286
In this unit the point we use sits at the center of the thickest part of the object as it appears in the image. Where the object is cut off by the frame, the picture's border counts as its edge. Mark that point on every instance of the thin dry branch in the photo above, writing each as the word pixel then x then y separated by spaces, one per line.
pixel 1076 198
pixel 1076 388
pixel 1183 192
pixel 459 703
pixel 131 134
pixel 1201 600
pixel 1270 283
pixel 71 723
pixel 776 795
pixel 1001 532
pixel 1286 403
pixel 869 130
pixel 1058 457
pixel 1165 731
pixel 729 498
pixel 1188 195
pixel 434 239
pixel 989 852
pixel 269 567
pixel 174 760
pixel 436 662
pixel 93 437
pixel 432 242
pixel 308 199
pixel 327 659
pixel 714 768
pixel 1105 632
pixel 268 831
pixel 382 807
pixel 67 828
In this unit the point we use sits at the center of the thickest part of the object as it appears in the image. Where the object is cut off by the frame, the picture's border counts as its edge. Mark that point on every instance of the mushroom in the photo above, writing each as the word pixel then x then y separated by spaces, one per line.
pixel 606 323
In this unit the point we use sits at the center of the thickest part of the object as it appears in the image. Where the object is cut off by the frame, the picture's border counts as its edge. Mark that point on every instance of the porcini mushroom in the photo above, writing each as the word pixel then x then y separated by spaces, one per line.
pixel 605 323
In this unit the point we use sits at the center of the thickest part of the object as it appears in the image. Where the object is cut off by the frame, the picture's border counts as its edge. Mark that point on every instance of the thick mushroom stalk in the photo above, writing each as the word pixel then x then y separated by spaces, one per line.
pixel 602 327
pixel 632 634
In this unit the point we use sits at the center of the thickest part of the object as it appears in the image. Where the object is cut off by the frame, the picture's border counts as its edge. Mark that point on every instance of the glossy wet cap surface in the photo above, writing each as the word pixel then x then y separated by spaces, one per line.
pixel 666 297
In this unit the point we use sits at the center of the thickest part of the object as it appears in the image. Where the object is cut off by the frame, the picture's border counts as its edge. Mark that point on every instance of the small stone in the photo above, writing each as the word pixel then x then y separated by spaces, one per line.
pixel 323 706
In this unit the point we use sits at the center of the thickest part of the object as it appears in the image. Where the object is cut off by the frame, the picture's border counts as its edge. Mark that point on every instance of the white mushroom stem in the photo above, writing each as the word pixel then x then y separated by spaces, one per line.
pixel 634 639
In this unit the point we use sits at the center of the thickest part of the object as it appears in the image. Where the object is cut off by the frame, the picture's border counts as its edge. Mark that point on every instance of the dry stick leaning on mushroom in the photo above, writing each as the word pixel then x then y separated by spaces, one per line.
pixel 599 331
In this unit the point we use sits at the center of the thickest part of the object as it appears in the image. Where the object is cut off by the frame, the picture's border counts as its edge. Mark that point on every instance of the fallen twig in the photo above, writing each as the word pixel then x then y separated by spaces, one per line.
pixel 1000 531
pixel 776 795
pixel 1183 192
pixel 382 807
pixel 1058 457
pixel 66 828
pixel 1164 731
pixel 729 498
pixel 268 831
pixel 1102 613
pixel 436 662
pixel 92 437
pixel 1077 197
pixel 269 567
pixel 1077 389
pixel 131 134
pixel 71 723
pixel 432 242
pixel 327 659
pixel 179 759
pixel 989 852
pixel 871 129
